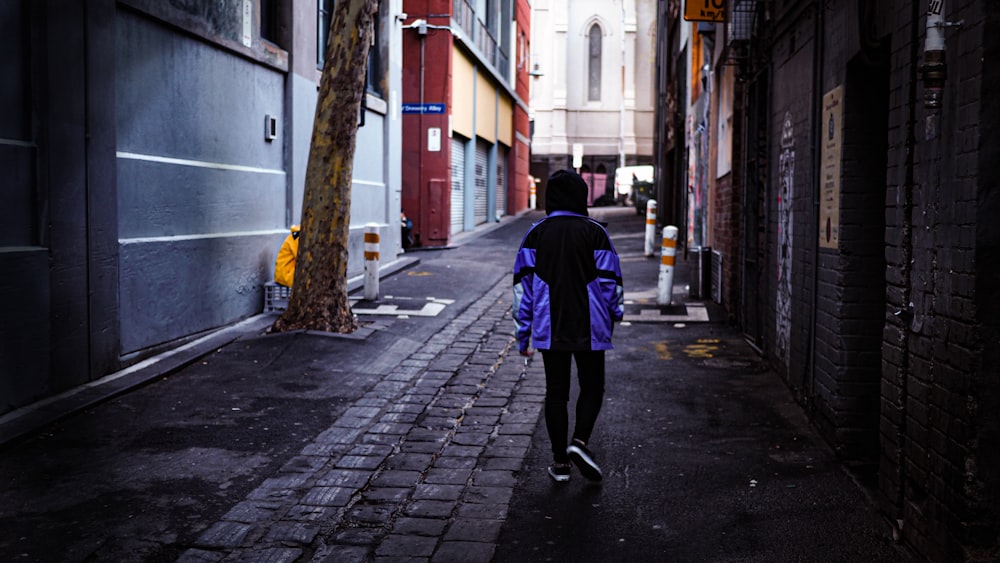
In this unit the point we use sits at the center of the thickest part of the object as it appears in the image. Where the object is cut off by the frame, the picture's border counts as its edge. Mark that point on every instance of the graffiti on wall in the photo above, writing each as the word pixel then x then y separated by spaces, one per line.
pixel 786 177
pixel 697 189
pixel 692 181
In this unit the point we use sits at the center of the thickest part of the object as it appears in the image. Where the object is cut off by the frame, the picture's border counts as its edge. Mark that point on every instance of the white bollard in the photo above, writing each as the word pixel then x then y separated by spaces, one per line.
pixel 371 261
pixel 650 226
pixel 668 253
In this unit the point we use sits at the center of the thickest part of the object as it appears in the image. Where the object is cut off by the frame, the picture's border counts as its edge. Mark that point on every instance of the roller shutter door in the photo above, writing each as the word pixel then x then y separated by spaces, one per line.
pixel 457 184
pixel 501 181
pixel 482 181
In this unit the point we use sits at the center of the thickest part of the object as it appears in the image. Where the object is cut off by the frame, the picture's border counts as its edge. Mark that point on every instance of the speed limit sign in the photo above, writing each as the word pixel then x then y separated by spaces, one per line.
pixel 705 10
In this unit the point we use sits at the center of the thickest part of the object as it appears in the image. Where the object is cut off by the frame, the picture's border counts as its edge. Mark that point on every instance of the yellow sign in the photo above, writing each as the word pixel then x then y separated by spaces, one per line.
pixel 829 205
pixel 705 11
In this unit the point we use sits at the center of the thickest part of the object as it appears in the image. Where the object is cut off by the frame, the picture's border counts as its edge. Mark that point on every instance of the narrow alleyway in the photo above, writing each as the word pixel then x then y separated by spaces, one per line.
pixel 420 439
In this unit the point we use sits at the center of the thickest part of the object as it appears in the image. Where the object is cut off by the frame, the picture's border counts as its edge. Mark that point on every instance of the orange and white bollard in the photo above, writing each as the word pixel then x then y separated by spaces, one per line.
pixel 371 261
pixel 668 253
pixel 650 226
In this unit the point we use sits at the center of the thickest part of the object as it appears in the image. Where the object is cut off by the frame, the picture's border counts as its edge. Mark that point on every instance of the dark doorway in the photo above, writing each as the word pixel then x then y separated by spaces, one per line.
pixel 862 241
pixel 755 211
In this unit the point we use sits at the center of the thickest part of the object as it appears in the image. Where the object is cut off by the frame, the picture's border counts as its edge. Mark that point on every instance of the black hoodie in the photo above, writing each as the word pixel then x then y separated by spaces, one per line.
pixel 566 191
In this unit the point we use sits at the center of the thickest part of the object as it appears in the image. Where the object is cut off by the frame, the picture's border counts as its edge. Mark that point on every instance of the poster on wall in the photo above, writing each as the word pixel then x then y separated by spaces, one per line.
pixel 829 204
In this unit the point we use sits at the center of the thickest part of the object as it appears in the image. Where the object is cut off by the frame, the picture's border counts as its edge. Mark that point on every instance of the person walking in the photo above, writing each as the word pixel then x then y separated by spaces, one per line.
pixel 568 293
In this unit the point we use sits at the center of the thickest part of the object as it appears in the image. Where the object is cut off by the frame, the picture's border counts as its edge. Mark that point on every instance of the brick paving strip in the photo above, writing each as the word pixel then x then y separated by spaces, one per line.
pixel 421 468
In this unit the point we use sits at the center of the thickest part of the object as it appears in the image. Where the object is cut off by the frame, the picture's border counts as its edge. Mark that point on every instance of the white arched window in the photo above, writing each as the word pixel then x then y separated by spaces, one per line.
pixel 594 63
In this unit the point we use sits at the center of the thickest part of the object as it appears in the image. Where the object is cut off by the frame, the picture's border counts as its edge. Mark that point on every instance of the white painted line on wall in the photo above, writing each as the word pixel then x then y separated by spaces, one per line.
pixel 176 238
pixel 367 183
pixel 197 163
pixel 17 143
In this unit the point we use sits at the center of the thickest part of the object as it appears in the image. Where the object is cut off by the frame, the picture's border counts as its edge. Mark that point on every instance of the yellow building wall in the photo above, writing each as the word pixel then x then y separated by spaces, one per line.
pixel 505 129
pixel 462 81
pixel 486 109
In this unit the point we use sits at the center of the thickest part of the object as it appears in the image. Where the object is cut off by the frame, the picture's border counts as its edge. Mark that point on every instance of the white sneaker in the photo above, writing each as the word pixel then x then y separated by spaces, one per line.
pixel 559 472
pixel 580 456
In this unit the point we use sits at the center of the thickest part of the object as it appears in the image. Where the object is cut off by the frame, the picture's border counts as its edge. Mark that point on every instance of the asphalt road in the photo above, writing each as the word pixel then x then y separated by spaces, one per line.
pixel 706 455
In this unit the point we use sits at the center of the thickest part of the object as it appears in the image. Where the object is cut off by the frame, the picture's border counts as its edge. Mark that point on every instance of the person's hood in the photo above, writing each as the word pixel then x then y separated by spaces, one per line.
pixel 566 191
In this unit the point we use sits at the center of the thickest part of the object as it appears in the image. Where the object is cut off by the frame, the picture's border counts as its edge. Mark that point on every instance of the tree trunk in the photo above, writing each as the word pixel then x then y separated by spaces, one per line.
pixel 319 294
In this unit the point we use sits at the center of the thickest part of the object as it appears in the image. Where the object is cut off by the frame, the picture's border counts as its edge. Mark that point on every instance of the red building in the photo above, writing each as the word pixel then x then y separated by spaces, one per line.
pixel 465 115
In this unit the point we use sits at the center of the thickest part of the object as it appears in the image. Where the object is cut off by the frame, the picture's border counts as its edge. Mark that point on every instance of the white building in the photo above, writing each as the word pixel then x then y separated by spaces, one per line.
pixel 594 87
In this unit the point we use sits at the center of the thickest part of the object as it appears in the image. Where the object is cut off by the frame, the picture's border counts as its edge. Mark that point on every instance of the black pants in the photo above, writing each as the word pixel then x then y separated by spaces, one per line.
pixel 590 374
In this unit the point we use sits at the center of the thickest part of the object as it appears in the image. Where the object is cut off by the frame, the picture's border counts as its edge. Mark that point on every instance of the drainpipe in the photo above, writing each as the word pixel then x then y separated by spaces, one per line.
pixel 817 167
pixel 905 315
pixel 621 110
pixel 422 178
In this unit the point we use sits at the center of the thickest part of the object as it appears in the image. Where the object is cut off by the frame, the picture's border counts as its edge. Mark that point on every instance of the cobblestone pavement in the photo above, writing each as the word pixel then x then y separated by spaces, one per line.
pixel 422 467
pixel 418 439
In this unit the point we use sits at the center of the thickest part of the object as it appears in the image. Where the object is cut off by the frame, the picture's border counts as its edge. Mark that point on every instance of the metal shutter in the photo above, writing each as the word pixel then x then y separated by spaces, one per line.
pixel 482 181
pixel 501 181
pixel 457 184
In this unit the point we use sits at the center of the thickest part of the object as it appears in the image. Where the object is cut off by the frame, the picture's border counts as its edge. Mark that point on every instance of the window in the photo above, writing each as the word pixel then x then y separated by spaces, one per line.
pixel 522 51
pixel 481 10
pixel 375 72
pixel 594 63
pixel 375 69
pixel 270 21
pixel 323 16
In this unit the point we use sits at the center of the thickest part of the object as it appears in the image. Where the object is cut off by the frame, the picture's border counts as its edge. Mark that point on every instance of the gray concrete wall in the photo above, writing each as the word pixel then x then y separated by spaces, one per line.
pixel 173 288
pixel 17 143
pixel 143 204
pixel 24 326
pixel 54 323
pixel 24 307
pixel 201 192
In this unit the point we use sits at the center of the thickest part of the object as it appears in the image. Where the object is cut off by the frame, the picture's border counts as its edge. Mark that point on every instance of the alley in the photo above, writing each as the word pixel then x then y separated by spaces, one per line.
pixel 420 439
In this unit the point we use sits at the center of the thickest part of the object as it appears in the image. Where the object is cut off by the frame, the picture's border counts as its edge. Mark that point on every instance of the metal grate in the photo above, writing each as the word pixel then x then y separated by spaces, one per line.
pixel 741 25
pixel 741 21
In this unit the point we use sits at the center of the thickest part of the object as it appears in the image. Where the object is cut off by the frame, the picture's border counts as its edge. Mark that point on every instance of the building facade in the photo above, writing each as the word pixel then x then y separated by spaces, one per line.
pixel 593 95
pixel 844 152
pixel 465 132
pixel 158 158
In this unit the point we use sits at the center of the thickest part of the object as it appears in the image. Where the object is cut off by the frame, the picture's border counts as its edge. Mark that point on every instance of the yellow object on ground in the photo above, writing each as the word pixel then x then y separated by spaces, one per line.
pixel 284 266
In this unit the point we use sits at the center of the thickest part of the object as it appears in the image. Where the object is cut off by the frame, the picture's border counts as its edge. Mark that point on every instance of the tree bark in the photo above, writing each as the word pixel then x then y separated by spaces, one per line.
pixel 319 294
